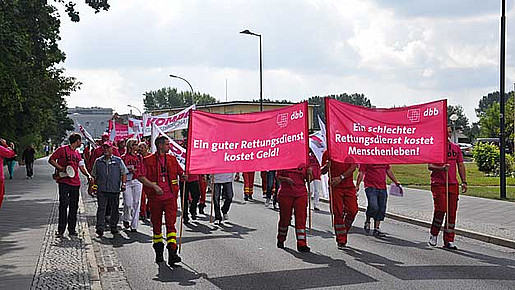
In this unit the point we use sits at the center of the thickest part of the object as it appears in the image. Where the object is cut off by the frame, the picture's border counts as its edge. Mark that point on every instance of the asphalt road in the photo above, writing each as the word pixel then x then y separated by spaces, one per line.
pixel 242 255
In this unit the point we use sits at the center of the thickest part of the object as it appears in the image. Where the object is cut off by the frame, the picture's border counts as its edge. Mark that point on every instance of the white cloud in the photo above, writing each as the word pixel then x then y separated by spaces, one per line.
pixel 393 51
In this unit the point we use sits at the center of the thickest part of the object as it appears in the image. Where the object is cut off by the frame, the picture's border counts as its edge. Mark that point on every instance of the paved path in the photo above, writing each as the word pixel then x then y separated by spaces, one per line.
pixel 30 256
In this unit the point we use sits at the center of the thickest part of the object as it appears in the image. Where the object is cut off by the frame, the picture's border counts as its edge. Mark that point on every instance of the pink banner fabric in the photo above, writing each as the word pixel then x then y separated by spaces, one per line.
pixel 270 140
pixel 407 135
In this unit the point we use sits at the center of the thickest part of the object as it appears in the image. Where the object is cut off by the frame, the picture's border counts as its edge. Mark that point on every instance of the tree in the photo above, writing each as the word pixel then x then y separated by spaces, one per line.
pixel 488 100
pixel 167 98
pixel 490 121
pixel 32 87
pixel 319 109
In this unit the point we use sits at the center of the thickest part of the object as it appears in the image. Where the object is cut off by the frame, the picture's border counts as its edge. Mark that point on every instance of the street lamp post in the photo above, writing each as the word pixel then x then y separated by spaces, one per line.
pixel 131 106
pixel 454 118
pixel 502 139
pixel 178 77
pixel 260 67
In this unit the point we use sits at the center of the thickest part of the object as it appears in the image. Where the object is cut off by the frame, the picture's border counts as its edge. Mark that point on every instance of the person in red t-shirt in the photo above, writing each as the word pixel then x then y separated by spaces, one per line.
pixel 438 188
pixel 132 194
pixel 160 177
pixel 374 176
pixel 345 201
pixel 5 152
pixel 293 196
pixel 69 186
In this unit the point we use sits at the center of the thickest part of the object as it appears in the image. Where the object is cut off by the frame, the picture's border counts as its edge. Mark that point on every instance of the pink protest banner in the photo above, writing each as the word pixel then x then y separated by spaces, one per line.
pixel 261 141
pixel 119 131
pixel 408 135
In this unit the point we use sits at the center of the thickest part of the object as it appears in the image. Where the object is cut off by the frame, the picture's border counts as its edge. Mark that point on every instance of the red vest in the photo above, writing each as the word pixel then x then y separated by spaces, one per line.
pixel 173 169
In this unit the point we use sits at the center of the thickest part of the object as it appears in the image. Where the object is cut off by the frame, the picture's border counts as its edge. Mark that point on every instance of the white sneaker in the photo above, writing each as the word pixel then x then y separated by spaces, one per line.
pixel 226 216
pixel 432 240
pixel 267 202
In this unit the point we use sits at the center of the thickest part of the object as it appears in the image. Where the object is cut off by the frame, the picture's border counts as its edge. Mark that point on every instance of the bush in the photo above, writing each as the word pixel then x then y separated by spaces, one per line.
pixel 487 158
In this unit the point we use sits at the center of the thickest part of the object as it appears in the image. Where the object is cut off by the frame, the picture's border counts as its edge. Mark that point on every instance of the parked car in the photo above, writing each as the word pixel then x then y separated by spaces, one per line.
pixel 495 141
pixel 466 149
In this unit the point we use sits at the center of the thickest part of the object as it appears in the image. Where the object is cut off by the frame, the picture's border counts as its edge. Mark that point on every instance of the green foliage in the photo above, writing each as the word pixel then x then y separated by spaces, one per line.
pixel 319 109
pixel 487 158
pixel 490 120
pixel 167 98
pixel 32 87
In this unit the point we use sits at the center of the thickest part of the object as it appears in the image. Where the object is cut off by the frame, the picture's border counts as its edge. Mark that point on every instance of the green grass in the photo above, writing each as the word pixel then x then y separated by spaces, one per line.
pixel 480 185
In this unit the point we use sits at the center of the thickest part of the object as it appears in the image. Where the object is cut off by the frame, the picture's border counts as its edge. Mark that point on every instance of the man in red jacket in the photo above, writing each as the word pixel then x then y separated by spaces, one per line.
pixel 438 188
pixel 293 196
pixel 160 177
pixel 345 201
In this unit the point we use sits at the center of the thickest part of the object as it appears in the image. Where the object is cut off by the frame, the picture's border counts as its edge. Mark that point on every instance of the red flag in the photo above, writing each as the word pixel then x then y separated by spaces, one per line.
pixel 260 141
pixel 407 135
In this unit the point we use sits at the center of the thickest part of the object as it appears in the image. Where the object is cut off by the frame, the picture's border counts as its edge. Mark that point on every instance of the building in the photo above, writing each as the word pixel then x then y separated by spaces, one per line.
pixel 239 107
pixel 95 120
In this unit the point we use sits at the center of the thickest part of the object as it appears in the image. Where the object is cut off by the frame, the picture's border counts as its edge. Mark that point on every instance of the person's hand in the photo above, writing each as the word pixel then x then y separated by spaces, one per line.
pixel 124 186
pixel 464 187
pixel 336 180
pixel 158 190
pixel 185 177
pixel 91 180
pixel 446 167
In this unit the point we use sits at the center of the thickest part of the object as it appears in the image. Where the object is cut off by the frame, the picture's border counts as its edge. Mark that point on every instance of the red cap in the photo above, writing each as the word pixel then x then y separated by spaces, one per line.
pixel 108 144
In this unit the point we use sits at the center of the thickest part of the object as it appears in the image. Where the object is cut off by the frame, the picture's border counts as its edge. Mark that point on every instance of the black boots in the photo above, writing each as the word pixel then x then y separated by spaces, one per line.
pixel 201 209
pixel 159 249
pixel 173 258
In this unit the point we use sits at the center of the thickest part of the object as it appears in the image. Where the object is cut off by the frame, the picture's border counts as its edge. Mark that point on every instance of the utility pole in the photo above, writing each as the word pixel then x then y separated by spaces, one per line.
pixel 502 103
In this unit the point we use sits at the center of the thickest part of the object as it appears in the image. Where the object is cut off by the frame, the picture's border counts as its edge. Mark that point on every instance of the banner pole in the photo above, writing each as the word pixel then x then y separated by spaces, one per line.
pixel 212 197
pixel 309 203
pixel 330 196
pixel 447 200
pixel 182 214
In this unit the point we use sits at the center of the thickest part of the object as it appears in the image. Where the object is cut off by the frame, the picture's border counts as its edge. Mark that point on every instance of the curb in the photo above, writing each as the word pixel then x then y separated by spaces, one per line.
pixel 90 254
pixel 460 232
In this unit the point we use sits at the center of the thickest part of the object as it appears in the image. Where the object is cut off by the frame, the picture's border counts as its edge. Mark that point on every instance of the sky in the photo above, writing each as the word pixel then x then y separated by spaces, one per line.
pixel 396 52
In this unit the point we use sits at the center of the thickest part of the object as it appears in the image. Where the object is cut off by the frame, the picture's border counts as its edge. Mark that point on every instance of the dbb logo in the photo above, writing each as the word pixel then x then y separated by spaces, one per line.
pixel 431 112
pixel 297 115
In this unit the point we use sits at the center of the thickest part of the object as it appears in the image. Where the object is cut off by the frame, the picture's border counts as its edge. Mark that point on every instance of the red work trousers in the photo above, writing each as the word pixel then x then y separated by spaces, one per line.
pixel 345 208
pixel 2 191
pixel 263 181
pixel 203 189
pixel 299 205
pixel 440 203
pixel 169 208
pixel 145 204
pixel 248 183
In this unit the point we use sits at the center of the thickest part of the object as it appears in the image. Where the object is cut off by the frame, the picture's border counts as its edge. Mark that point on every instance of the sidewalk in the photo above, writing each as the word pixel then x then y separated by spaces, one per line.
pixel 484 219
pixel 30 256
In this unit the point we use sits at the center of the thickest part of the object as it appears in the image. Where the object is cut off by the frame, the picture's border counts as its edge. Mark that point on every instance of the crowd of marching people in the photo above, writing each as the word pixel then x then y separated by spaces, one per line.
pixel 151 183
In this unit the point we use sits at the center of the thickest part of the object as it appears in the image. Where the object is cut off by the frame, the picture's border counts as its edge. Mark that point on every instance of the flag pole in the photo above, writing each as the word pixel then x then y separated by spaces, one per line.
pixel 212 197
pixel 330 195
pixel 182 214
pixel 447 200
pixel 309 203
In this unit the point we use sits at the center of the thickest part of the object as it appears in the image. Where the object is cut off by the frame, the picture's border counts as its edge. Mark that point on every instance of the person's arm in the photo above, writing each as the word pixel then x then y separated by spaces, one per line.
pixel 124 172
pixel 463 175
pixel 390 174
pixel 82 168
pixel 147 183
pixel 325 168
pixel 282 179
pixel 52 160
pixel 347 174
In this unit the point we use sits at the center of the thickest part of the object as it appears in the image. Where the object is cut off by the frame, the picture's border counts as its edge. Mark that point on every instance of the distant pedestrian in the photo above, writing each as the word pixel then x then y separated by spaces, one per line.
pixel 293 197
pixel 47 150
pixel 223 189
pixel 145 205
pixel 121 145
pixel 161 183
pixel 28 157
pixel 438 188
pixel 132 195
pixel 272 188
pixel 68 186
pixel 191 196
pixel 344 200
pixel 248 185
pixel 11 162
pixel 110 175
pixel 374 176
pixel 315 184
pixel 5 152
